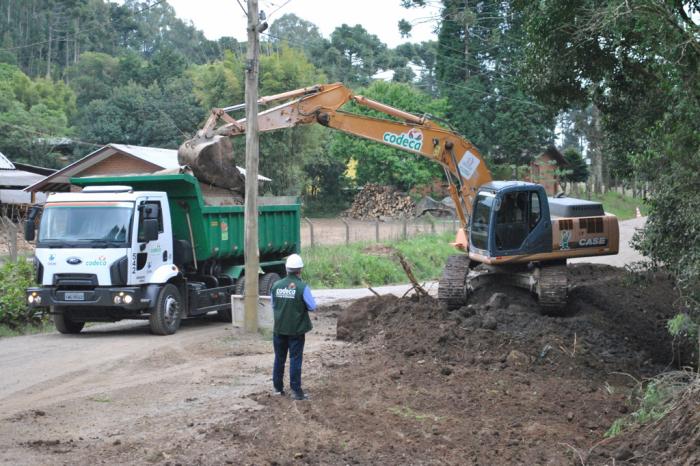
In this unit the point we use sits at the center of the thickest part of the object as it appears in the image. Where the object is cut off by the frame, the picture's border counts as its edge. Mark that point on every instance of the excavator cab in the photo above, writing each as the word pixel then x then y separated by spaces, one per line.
pixel 510 218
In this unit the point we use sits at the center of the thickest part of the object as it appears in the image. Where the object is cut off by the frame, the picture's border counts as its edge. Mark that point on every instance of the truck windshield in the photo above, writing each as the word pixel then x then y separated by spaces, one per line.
pixel 481 218
pixel 86 224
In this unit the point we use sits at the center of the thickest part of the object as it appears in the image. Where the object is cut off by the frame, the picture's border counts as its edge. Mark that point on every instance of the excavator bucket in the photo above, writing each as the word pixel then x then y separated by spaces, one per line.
pixel 212 162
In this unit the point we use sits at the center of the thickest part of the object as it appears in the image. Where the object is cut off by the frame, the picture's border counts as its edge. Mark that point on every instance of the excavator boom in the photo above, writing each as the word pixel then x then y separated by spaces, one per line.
pixel 464 166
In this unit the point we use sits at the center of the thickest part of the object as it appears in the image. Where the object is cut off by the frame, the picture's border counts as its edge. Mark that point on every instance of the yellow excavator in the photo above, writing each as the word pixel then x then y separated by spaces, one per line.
pixel 511 232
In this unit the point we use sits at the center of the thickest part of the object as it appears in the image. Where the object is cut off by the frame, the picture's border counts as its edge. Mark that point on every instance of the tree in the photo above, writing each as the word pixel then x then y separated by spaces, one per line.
pixel 93 77
pixel 145 116
pixel 32 113
pixel 577 168
pixel 478 50
pixel 638 63
pixel 361 54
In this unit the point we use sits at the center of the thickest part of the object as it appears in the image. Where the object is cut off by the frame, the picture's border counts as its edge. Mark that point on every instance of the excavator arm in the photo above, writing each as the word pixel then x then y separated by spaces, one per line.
pixel 464 166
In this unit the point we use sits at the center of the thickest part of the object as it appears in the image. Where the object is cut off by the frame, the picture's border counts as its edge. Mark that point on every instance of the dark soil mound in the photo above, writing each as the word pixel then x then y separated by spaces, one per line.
pixel 610 325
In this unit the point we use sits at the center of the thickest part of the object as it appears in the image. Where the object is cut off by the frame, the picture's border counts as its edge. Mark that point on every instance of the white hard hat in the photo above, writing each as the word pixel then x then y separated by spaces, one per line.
pixel 294 262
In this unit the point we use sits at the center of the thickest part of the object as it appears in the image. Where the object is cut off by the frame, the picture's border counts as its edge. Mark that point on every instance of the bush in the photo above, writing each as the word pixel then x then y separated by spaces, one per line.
pixel 15 277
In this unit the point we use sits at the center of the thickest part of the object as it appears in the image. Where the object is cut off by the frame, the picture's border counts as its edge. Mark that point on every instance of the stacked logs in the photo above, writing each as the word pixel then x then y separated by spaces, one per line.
pixel 376 202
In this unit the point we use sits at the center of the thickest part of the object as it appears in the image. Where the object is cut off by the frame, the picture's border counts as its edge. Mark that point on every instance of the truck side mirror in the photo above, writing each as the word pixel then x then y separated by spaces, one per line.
pixel 29 229
pixel 150 229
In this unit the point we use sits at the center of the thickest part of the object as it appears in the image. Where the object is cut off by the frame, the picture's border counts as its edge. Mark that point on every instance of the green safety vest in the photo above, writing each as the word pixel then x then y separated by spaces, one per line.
pixel 291 315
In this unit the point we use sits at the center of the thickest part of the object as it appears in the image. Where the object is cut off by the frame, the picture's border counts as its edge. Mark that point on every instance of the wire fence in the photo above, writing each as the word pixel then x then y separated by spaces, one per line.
pixel 326 232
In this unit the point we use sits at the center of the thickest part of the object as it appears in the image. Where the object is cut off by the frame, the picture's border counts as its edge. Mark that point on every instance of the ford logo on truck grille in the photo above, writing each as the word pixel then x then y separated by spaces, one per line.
pixel 73 260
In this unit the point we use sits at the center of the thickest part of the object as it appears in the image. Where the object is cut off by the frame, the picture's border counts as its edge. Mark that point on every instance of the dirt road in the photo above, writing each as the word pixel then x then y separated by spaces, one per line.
pixel 117 395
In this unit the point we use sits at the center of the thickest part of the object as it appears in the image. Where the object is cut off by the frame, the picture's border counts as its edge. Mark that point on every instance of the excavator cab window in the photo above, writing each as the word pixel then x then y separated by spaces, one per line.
pixel 482 217
pixel 519 213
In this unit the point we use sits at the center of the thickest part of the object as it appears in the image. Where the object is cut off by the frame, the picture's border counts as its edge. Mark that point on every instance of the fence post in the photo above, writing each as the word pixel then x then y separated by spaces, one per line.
pixel 376 230
pixel 347 230
pixel 404 227
pixel 432 223
pixel 311 230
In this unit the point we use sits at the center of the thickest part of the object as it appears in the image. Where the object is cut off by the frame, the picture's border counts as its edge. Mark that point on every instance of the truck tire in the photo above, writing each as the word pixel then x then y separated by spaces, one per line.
pixel 64 324
pixel 224 315
pixel 266 282
pixel 167 313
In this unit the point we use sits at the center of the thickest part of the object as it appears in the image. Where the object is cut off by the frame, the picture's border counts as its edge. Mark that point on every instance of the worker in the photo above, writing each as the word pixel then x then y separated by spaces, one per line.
pixel 291 301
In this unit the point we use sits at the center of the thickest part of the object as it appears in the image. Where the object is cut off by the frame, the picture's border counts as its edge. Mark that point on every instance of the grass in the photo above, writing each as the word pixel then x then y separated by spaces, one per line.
pixel 624 207
pixel 654 400
pixel 26 329
pixel 358 264
pixel 408 413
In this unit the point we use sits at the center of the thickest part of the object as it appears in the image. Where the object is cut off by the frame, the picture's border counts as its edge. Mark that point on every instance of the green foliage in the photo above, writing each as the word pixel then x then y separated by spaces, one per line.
pixel 578 170
pixel 652 400
pixel 479 47
pixel 354 265
pixel 682 325
pixel 15 278
pixel 638 63
pixel 31 110
pixel 159 116
pixel 623 207
pixel 360 54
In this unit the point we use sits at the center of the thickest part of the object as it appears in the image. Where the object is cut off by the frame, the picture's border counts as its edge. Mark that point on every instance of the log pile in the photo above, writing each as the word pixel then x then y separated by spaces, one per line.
pixel 376 202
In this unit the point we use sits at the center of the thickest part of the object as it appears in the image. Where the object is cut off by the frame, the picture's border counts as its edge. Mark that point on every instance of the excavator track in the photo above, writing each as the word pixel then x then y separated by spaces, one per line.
pixel 552 283
pixel 452 292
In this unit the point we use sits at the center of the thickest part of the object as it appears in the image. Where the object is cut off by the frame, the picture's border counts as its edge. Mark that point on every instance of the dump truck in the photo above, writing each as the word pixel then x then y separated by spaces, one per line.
pixel 511 231
pixel 149 247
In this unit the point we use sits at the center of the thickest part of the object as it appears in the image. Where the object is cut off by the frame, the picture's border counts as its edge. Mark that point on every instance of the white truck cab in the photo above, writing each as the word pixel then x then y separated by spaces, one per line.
pixel 103 254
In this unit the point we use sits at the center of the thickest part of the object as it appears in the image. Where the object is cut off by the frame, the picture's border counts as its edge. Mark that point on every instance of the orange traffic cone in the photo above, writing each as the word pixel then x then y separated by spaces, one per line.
pixel 639 214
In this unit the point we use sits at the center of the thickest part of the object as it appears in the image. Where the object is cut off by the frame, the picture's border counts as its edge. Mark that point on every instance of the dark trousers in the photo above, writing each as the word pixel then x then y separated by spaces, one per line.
pixel 294 345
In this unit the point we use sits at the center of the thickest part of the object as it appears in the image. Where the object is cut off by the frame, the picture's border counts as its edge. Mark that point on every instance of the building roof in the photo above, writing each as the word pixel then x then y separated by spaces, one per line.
pixel 18 179
pixel 5 163
pixel 555 155
pixel 166 159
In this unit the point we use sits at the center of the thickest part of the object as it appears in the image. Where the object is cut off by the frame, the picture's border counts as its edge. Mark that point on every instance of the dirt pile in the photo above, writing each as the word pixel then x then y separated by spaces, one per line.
pixel 608 327
pixel 376 201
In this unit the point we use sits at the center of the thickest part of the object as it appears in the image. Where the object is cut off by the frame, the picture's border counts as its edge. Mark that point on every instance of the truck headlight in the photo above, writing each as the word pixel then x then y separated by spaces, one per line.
pixel 37 299
pixel 30 299
pixel 128 299
pixel 117 299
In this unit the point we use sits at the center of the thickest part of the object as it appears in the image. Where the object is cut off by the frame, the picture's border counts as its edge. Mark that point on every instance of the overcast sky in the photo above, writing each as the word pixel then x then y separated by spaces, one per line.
pixel 217 18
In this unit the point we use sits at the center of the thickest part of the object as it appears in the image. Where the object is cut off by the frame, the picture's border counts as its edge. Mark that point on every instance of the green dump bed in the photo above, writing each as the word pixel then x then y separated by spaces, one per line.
pixel 218 231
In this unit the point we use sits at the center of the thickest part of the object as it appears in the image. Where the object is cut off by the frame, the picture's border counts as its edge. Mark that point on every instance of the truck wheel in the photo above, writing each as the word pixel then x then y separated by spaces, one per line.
pixel 64 324
pixel 167 313
pixel 266 282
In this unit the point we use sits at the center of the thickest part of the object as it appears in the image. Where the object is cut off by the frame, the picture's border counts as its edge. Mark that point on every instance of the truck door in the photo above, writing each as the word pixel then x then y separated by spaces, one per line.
pixel 149 256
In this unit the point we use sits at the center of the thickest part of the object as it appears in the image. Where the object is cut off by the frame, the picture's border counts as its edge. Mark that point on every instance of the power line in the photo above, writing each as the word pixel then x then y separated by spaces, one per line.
pixel 40 133
pixel 278 8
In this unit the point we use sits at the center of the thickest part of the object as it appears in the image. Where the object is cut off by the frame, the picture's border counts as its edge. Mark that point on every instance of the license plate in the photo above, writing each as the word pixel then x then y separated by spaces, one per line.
pixel 75 296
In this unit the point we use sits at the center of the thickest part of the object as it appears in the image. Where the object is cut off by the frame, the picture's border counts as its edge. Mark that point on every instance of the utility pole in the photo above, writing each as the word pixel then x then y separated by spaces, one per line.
pixel 252 253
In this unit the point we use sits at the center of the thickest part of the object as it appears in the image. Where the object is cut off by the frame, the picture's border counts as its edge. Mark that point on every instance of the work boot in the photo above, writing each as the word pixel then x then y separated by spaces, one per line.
pixel 278 392
pixel 299 395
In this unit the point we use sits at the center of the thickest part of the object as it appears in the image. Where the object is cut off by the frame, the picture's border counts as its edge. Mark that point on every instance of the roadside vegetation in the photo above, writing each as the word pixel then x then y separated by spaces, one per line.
pixel 374 264
pixel 15 319
pixel 624 207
